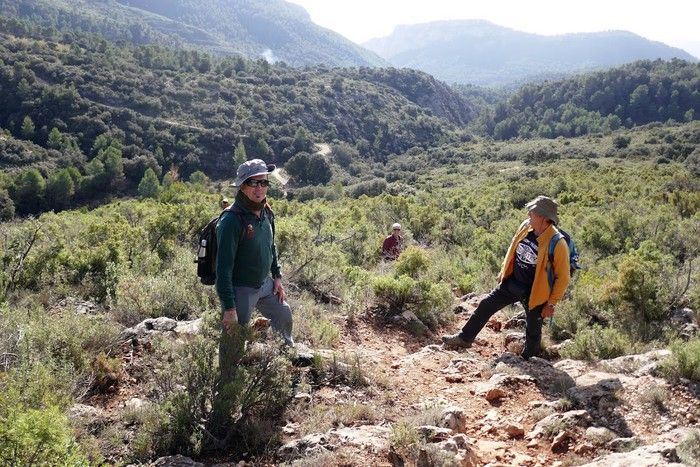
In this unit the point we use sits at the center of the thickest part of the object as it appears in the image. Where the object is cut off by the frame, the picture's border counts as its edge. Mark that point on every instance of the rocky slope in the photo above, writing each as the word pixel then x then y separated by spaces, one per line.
pixel 426 405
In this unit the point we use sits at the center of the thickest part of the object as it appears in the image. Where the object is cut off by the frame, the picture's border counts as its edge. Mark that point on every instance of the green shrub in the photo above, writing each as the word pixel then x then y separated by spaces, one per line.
pixel 312 324
pixel 38 437
pixel 139 296
pixel 568 320
pixel 203 416
pixel 35 434
pixel 393 294
pixel 412 262
pixel 106 371
pixel 403 435
pixel 689 449
pixel 598 343
pixel 70 338
pixel 685 360
pixel 640 294
pixel 429 301
pixel 466 283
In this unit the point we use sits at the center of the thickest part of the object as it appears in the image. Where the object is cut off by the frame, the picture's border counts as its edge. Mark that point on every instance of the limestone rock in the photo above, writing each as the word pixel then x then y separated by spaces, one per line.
pixel 564 420
pixel 623 444
pixel 371 437
pixel 599 434
pixel 646 456
pixel 631 364
pixel 176 461
pixel 309 445
pixel 455 419
pixel 434 434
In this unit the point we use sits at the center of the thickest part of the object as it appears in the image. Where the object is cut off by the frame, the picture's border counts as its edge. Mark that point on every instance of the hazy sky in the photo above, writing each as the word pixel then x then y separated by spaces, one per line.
pixel 675 22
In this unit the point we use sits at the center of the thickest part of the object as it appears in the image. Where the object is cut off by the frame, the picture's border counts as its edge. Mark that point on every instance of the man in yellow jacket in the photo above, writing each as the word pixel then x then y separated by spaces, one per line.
pixel 525 277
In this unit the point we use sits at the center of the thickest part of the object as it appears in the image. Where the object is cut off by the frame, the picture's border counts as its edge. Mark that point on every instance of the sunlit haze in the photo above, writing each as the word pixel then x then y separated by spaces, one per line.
pixel 673 22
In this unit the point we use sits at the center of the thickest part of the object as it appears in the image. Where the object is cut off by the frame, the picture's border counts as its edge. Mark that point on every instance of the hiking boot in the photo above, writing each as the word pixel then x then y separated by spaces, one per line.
pixel 456 341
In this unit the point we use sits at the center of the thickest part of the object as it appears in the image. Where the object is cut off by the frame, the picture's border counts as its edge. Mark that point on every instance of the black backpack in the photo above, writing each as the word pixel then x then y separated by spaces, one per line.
pixel 207 245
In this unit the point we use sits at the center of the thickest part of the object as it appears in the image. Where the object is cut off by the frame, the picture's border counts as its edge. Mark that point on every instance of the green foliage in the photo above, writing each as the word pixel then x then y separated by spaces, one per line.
pixel 7 206
pixel 598 343
pixel 138 296
pixel 311 169
pixel 106 371
pixel 641 293
pixel 403 435
pixel 198 106
pixel 239 154
pixel 685 360
pixel 149 186
pixel 412 261
pixel 203 415
pixel 637 93
pixel 689 449
pixel 36 436
pixel 33 396
pixel 29 192
pixel 28 128
pixel 428 300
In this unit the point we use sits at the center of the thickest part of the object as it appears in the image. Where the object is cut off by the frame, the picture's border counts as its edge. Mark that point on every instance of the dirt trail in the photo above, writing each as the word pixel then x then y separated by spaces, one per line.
pixel 418 373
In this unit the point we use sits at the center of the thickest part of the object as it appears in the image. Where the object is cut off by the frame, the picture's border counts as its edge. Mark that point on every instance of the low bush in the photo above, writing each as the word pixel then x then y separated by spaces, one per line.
pixel 202 415
pixel 429 301
pixel 403 435
pixel 689 449
pixel 684 361
pixel 33 428
pixel 139 296
pixel 598 343
pixel 312 324
pixel 412 262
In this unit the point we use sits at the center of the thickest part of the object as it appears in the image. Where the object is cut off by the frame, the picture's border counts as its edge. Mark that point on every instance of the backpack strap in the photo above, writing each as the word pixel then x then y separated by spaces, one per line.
pixel 550 256
pixel 240 213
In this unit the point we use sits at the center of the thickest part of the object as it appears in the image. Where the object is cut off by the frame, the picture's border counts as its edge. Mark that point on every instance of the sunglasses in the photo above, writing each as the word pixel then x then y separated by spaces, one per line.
pixel 253 182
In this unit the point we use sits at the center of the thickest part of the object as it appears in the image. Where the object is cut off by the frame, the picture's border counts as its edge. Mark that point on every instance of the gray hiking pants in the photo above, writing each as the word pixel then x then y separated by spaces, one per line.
pixel 267 304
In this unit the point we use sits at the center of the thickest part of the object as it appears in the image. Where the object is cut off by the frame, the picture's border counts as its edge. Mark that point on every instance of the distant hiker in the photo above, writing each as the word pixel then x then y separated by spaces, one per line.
pixel 393 244
pixel 247 271
pixel 225 203
pixel 525 277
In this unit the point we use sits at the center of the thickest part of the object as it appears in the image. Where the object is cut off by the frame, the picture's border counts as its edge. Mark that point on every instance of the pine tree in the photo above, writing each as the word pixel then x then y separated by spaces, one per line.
pixel 149 185
pixel 239 154
pixel 28 128
pixel 55 140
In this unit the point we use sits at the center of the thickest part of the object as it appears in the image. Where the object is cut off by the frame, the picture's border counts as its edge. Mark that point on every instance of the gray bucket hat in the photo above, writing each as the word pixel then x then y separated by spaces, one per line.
pixel 251 168
pixel 544 206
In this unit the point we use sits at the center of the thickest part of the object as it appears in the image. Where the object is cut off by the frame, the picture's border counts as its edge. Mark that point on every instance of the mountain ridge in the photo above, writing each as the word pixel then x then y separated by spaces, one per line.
pixel 274 30
pixel 480 52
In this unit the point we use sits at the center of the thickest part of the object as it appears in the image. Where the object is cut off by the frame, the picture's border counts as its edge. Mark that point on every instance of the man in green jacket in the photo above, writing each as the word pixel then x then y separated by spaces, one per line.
pixel 247 271
pixel 524 278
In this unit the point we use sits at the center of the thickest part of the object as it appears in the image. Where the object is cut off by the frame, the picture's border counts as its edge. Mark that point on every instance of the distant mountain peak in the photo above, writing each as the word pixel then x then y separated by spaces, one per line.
pixel 479 52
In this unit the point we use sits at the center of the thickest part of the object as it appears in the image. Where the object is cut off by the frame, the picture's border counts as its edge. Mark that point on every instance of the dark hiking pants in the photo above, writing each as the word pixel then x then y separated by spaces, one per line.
pixel 507 293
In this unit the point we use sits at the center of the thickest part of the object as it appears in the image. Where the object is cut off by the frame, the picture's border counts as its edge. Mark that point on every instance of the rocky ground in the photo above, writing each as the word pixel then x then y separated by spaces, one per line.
pixel 427 405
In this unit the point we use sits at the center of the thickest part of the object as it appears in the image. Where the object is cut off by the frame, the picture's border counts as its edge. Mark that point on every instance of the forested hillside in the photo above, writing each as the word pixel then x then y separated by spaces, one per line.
pixel 249 28
pixel 482 53
pixel 634 94
pixel 184 109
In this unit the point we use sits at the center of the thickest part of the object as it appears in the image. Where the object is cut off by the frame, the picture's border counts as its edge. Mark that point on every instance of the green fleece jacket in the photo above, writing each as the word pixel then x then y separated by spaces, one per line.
pixel 243 258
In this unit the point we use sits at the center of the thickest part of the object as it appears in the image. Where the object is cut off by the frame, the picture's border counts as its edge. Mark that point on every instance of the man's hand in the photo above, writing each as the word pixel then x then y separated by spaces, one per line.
pixel 278 290
pixel 230 319
pixel 548 310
